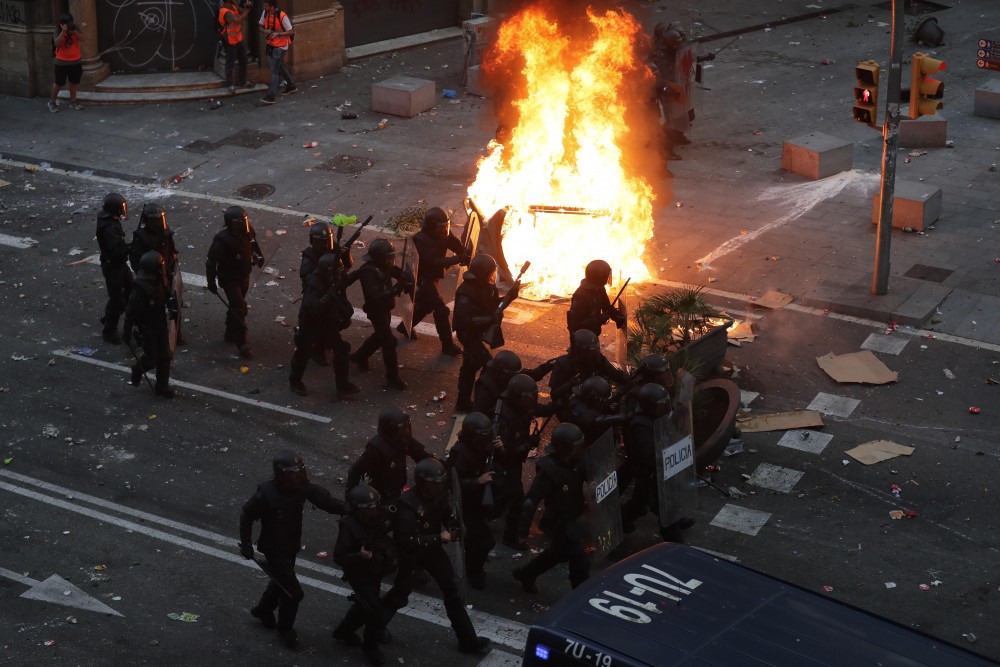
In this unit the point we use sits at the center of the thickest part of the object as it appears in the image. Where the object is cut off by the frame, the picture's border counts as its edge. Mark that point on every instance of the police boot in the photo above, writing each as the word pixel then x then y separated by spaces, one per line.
pixel 449 348
pixel 319 358
pixel 527 582
pixel 345 389
pixel 136 375
pixel 477 580
pixel 361 362
pixel 166 391
pixel 111 336
pixel 402 329
pixel 265 616
pixel 474 645
pixel 290 637
pixel 298 387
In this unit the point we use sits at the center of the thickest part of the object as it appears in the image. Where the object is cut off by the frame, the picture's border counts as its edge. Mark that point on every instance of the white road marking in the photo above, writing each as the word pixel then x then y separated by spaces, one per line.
pixel 56 590
pixel 775 478
pixel 805 440
pixel 189 279
pixel 832 404
pixel 21 242
pixel 740 519
pixel 204 390
pixel 499 630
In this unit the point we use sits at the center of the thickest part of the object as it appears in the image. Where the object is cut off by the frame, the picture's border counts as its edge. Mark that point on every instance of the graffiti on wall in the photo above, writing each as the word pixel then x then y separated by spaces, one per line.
pixel 12 13
pixel 157 35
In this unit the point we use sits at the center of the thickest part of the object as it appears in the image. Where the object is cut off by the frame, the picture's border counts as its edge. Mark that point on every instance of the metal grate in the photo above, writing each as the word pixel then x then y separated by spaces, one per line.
pixel 255 191
pixel 934 274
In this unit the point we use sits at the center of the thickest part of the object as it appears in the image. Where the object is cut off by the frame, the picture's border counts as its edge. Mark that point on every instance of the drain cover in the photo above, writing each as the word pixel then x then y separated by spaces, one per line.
pixel 934 274
pixel 255 191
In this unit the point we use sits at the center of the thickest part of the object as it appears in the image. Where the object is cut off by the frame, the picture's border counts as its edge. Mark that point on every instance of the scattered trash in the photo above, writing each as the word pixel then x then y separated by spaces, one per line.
pixel 7 461
pixel 100 568
pixel 184 617
pixel 890 584
pixel 968 635
pixel 877 451
pixel 382 124
pixel 948 374
pixel 52 642
pixel 244 369
pixel 924 587
pixel 20 357
pixel 74 251
pixel 116 598
pixel 902 514
pixel 50 431
pixel 779 421
pixel 974 410
pixel 862 367
pixel 85 351
pixel 828 589
pixel 734 447
pixel 214 104
pixel 451 94
pixel 896 491
pixel 439 397
pixel 349 115
pixel 322 554
pixel 736 493
pixel 311 144
pixel 71 619
pixel 280 232
pixel 431 414
pixel 271 283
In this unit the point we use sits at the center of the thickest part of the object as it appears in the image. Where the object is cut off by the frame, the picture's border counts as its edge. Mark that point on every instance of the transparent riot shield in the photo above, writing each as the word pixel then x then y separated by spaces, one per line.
pixel 676 482
pixel 269 245
pixel 175 314
pixel 621 335
pixel 456 548
pixel 470 235
pixel 604 515
pixel 405 304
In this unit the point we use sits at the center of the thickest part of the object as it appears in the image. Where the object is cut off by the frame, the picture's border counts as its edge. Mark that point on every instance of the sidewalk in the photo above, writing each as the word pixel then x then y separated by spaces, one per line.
pixel 739 222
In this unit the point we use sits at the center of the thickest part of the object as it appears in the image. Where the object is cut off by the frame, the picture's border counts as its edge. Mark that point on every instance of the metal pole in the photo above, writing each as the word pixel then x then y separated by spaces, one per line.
pixel 890 141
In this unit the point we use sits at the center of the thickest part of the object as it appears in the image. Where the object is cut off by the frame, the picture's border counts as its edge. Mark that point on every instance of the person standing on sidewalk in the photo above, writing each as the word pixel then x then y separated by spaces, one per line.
pixel 231 20
pixel 69 62
pixel 278 28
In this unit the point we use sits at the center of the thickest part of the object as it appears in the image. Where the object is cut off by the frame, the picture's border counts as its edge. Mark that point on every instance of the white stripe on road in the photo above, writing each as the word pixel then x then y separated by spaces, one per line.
pixel 499 630
pixel 21 242
pixel 204 390
pixel 192 279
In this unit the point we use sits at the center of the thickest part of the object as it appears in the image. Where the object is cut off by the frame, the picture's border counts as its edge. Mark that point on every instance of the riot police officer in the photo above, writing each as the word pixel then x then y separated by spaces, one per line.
pixel 154 234
pixel 147 312
pixel 653 368
pixel 114 263
pixel 652 402
pixel 367 553
pixel 493 380
pixel 383 461
pixel 321 242
pixel 470 460
pixel 587 408
pixel 590 307
pixel 324 313
pixel 377 275
pixel 476 309
pixel 559 482
pixel 231 257
pixel 277 504
pixel 433 242
pixel 421 526
pixel 583 360
pixel 515 428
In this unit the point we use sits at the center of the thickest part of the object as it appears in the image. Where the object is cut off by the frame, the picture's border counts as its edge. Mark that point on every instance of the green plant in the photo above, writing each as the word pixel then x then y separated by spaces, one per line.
pixel 667 322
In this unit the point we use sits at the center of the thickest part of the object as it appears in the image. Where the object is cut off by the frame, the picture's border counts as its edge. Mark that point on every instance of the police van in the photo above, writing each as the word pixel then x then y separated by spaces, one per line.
pixel 675 605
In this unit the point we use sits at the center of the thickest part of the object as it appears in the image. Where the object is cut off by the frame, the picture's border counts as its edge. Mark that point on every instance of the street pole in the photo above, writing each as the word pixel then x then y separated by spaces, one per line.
pixel 890 140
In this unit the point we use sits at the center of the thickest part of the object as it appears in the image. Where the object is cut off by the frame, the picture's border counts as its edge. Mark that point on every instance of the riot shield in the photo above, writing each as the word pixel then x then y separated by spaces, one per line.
pixel 470 236
pixel 604 514
pixel 685 67
pixel 269 245
pixel 410 264
pixel 621 335
pixel 456 547
pixel 175 312
pixel 676 481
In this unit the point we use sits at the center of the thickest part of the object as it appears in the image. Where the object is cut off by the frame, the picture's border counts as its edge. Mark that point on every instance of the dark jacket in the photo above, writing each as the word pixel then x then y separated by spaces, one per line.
pixel 143 240
pixel 324 305
pixel 566 374
pixel 590 308
pixel 475 305
pixel 111 240
pixel 468 465
pixel 561 487
pixel 146 309
pixel 231 256
pixel 417 526
pixel 433 254
pixel 377 287
pixel 515 432
pixel 280 515
pixel 352 536
pixel 384 466
pixel 310 260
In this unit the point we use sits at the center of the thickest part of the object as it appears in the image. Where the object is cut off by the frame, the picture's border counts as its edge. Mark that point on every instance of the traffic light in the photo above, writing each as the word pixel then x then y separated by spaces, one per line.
pixel 866 92
pixel 925 92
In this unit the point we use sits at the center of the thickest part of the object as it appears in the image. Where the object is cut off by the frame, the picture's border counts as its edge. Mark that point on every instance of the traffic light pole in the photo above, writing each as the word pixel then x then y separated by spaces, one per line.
pixel 890 141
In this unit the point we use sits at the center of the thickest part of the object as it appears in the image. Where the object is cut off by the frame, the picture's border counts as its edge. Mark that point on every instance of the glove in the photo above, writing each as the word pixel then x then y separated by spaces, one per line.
pixel 259 261
pixel 465 259
pixel 246 550
pixel 620 318
pixel 514 292
pixel 212 287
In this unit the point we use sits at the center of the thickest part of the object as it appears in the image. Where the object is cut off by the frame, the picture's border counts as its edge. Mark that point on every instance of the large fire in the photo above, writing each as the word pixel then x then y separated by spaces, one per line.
pixel 569 169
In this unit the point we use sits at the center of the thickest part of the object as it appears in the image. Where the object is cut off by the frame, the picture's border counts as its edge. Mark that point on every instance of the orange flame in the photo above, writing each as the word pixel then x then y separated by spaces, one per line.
pixel 575 94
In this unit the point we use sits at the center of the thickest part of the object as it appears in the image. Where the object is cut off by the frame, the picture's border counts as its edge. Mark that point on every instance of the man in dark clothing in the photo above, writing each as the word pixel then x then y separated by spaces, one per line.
pixel 367 553
pixel 587 409
pixel 321 242
pixel 114 263
pixel 477 304
pixel 324 313
pixel 147 312
pixel 433 242
pixel 154 234
pixel 380 292
pixel 278 504
pixel 494 378
pixel 583 360
pixel 590 307
pixel 383 462
pixel 469 461
pixel 421 528
pixel 559 483
pixel 231 257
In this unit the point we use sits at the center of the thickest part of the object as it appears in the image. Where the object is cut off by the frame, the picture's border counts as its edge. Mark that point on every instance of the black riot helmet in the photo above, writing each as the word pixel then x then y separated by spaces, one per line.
pixel 567 440
pixel 653 400
pixel 151 264
pixel 522 393
pixel 430 477
pixel 320 237
pixel 668 36
pixel 504 366
pixel 594 391
pixel 477 431
pixel 153 218
pixel 289 469
pixel 483 268
pixel 394 426
pixel 586 347
pixel 366 504
pixel 437 223
pixel 598 272
pixel 656 368
pixel 381 252
pixel 115 205
pixel 327 266
pixel 236 220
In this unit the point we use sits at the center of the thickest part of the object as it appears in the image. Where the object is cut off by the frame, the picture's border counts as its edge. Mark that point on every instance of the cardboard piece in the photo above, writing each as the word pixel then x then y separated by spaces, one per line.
pixel 780 421
pixel 741 332
pixel 863 367
pixel 774 299
pixel 877 451
pixel 455 430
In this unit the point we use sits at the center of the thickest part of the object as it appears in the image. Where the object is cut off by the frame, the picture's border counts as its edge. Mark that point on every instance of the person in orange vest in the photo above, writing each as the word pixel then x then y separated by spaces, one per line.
pixel 278 28
pixel 231 20
pixel 69 65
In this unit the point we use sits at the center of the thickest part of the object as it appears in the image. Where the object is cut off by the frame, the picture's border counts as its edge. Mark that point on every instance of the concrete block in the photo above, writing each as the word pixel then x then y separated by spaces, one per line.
pixel 987 102
pixel 403 96
pixel 473 82
pixel 915 205
pixel 817 155
pixel 924 132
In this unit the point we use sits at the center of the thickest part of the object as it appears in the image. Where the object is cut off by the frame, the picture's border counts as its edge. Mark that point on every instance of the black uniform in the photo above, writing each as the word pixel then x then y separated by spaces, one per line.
pixel 145 239
pixel 114 266
pixel 590 308
pixel 280 513
pixel 384 466
pixel 230 260
pixel 147 312
pixel 518 440
pixel 310 260
pixel 560 485
pixel 380 298
pixel 469 464
pixel 434 261
pixel 568 372
pixel 324 313
pixel 476 303
pixel 591 419
pixel 640 457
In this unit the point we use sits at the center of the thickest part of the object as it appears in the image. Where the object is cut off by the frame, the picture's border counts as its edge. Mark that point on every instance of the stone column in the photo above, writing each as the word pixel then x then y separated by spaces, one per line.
pixel 95 70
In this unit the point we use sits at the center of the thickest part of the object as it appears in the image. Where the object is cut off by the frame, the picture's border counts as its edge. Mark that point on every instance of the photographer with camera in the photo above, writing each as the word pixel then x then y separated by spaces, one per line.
pixel 278 28
pixel 231 17
pixel 69 61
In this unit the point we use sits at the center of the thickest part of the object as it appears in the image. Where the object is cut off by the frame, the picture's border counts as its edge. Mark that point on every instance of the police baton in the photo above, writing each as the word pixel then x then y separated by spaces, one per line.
pixel 263 567
pixel 139 363
pixel 222 299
